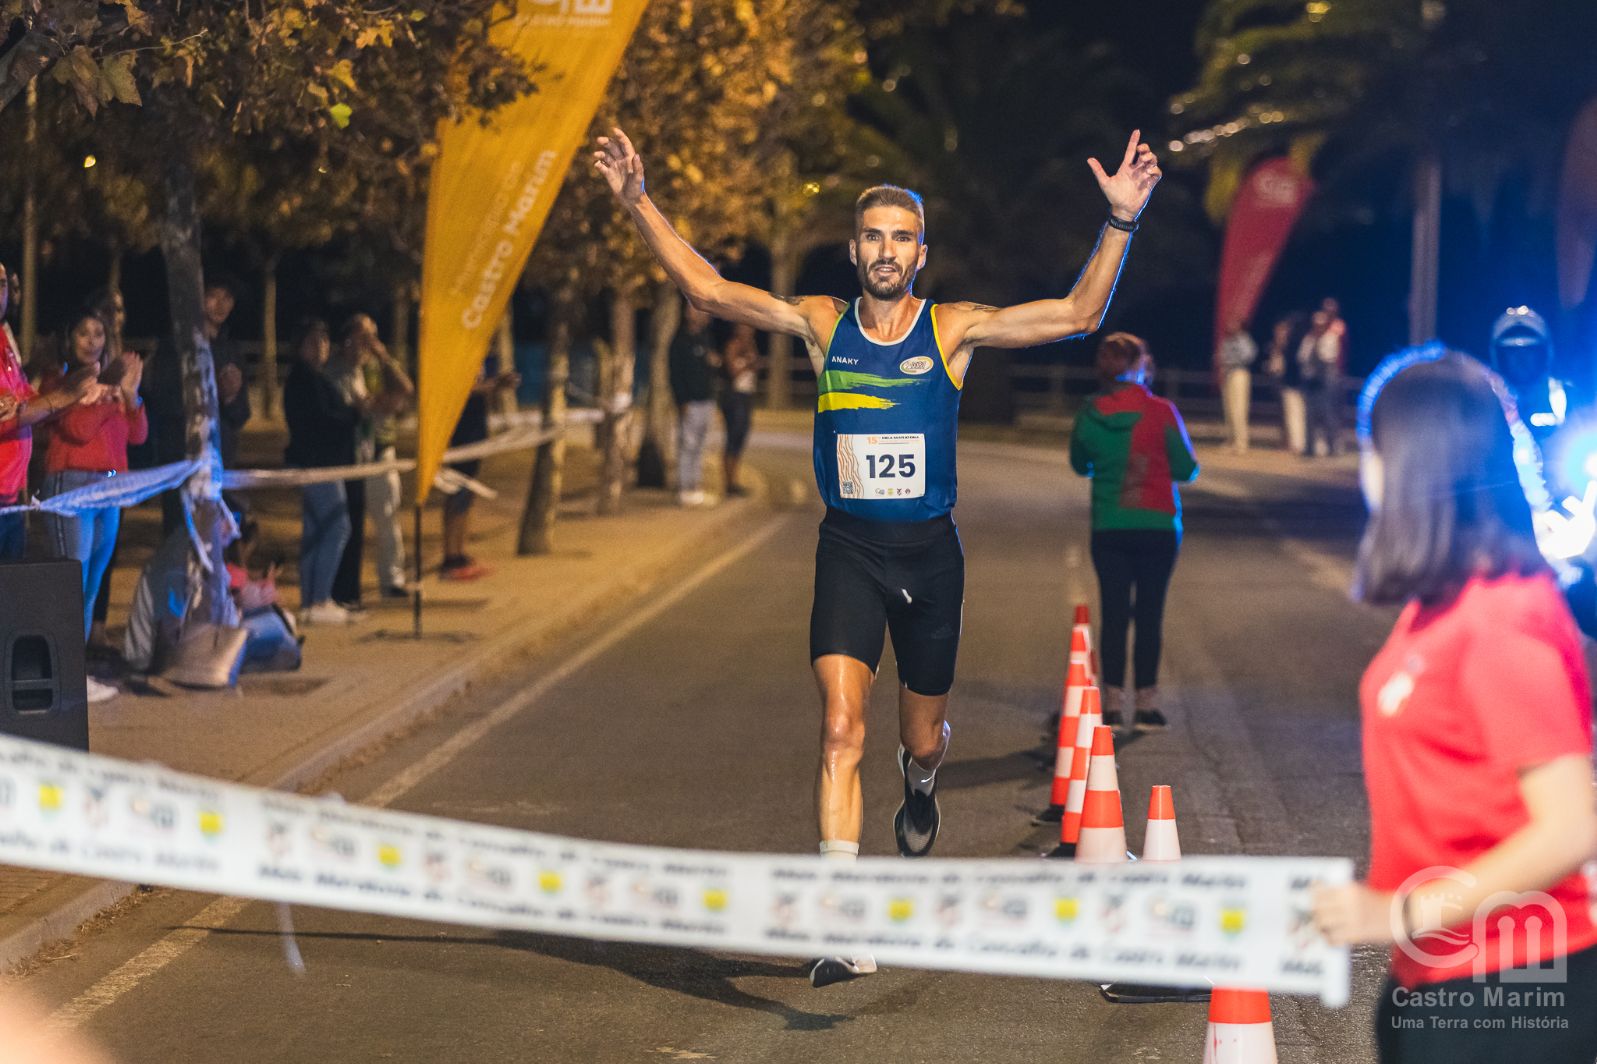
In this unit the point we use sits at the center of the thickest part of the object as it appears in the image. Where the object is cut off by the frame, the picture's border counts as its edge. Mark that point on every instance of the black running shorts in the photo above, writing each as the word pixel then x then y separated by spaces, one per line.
pixel 907 578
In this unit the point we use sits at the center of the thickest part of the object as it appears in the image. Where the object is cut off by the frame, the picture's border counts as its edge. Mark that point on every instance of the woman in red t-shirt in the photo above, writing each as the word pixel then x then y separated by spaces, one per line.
pixel 89 445
pixel 1477 742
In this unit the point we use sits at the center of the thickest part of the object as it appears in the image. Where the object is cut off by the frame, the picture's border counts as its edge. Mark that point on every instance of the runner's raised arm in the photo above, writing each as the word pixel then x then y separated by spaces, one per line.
pixel 807 318
pixel 967 326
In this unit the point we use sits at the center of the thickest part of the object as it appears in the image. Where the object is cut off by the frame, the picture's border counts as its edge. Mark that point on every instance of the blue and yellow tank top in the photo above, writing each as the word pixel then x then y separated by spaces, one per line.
pixel 885 423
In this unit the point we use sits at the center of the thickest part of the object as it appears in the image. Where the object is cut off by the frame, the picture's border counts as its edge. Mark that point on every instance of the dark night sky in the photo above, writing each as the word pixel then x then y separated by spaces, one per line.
pixel 1360 257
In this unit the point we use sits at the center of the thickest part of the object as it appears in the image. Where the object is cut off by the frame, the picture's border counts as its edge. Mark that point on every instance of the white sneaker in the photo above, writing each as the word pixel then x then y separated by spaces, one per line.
pixel 690 499
pixel 100 692
pixel 325 613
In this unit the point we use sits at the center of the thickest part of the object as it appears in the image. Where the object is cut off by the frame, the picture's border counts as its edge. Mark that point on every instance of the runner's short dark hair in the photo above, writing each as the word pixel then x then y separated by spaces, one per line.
pixel 1452 505
pixel 889 196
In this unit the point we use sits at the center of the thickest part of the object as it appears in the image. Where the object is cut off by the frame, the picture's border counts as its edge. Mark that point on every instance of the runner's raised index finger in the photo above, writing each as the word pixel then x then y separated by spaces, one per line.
pixel 1131 148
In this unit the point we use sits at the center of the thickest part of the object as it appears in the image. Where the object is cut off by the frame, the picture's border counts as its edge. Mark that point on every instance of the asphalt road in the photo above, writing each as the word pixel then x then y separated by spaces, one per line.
pixel 697 727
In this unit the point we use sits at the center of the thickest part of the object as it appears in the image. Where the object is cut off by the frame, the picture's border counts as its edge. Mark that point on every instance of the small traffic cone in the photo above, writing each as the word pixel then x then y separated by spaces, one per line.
pixel 1081 648
pixel 1103 825
pixel 1240 1031
pixel 1087 721
pixel 1161 843
pixel 1064 750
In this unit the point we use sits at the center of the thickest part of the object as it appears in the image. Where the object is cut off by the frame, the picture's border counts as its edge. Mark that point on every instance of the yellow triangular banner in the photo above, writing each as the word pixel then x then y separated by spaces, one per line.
pixel 492 186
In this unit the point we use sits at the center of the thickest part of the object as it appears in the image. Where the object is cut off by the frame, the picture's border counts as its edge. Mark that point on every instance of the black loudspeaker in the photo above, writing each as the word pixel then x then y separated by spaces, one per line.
pixel 43 695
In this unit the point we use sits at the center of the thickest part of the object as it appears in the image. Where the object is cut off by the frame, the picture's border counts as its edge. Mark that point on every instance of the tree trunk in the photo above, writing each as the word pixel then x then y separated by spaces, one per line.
pixel 113 273
pixel 185 284
pixel 548 467
pixel 786 259
pixel 30 225
pixel 621 356
pixel 399 334
pixel 1425 261
pixel 663 324
pixel 505 349
pixel 269 341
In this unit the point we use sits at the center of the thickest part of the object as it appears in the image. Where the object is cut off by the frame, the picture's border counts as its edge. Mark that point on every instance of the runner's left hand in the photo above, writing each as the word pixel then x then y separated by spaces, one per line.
pixel 1353 914
pixel 1567 531
pixel 1129 188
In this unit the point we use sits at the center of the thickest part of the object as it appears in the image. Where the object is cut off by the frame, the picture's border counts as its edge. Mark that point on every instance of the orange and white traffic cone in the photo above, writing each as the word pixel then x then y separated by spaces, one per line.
pixel 1087 722
pixel 1161 843
pixel 1081 648
pixel 1064 751
pixel 1240 1031
pixel 1103 824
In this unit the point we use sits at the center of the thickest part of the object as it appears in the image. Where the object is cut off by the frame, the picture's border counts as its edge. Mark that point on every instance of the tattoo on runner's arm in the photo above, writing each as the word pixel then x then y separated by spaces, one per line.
pixel 983 307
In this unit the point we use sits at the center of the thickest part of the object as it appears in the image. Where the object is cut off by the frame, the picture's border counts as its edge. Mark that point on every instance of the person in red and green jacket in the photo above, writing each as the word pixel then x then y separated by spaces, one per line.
pixel 1135 448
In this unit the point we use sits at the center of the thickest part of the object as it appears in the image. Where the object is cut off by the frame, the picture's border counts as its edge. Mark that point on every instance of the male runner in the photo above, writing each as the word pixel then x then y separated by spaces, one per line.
pixel 890 368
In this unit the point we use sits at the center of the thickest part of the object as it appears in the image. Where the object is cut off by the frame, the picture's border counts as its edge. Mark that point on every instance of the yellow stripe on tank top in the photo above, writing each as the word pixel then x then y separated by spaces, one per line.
pixel 852 401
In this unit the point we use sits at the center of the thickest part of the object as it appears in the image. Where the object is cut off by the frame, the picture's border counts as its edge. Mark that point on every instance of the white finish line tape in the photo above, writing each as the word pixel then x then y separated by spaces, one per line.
pixel 1232 921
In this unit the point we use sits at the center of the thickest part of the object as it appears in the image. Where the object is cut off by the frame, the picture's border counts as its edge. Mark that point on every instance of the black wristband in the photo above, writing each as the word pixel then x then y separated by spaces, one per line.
pixel 1124 227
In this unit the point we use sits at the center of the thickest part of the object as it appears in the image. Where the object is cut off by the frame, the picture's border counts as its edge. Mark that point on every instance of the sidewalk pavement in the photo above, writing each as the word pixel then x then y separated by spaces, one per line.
pixel 364 682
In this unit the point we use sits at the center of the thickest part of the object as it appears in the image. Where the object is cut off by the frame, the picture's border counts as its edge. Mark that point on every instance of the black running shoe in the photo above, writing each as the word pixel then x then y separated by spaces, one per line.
pixel 825 971
pixel 1149 720
pixel 918 818
pixel 1113 718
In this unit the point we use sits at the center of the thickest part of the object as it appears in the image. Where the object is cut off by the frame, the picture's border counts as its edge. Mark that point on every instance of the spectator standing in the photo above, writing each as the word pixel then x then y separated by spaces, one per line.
pixel 693 388
pixel 89 445
pixel 108 303
pixel 1284 368
pixel 740 380
pixel 371 377
pixel 21 408
pixel 1135 448
pixel 472 427
pixel 322 426
pixel 391 391
pixel 1338 329
pixel 1319 359
pixel 347 368
pixel 1477 743
pixel 163 393
pixel 1235 357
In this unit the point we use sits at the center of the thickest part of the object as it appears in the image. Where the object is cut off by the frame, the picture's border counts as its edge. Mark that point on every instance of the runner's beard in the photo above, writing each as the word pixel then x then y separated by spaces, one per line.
pixel 884 288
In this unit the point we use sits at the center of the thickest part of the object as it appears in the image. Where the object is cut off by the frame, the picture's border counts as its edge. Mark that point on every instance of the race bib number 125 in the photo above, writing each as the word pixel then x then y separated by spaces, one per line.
pixel 881 467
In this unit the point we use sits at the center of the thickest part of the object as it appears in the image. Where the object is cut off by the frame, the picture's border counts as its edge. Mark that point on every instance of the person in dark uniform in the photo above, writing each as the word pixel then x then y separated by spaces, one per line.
pixel 890 367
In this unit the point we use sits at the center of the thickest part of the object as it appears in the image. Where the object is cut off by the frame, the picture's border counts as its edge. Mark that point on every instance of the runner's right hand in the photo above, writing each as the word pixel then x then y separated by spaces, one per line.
pixel 621 166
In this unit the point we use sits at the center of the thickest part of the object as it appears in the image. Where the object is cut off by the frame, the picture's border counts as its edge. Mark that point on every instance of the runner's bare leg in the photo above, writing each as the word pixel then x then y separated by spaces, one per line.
pixel 920 726
pixel 845 687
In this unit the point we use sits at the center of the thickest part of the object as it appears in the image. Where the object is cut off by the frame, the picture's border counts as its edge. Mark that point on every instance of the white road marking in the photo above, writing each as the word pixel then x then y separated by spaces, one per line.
pixel 119 982
pixel 77 1011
